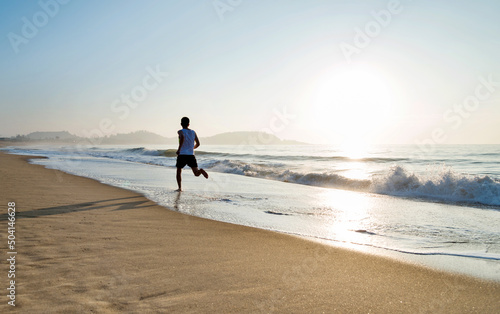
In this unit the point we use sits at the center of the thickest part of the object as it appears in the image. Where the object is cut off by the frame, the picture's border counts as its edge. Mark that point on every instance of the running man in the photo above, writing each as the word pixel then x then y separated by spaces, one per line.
pixel 188 142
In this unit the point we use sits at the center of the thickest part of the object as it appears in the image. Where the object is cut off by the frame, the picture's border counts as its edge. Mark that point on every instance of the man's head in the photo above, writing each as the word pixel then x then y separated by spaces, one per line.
pixel 185 122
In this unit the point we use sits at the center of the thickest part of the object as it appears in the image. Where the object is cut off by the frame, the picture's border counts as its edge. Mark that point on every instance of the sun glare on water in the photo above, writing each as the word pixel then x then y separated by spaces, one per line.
pixel 353 106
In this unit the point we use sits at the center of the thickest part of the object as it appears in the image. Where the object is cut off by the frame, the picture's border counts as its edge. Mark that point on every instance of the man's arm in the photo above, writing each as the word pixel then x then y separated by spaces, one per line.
pixel 181 141
pixel 196 140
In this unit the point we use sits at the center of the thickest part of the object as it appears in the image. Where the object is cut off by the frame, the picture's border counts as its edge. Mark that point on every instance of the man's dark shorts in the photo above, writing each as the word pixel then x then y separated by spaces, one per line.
pixel 183 160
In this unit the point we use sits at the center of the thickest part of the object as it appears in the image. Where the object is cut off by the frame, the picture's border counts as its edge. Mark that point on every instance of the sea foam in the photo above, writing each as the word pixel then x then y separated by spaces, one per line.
pixel 443 185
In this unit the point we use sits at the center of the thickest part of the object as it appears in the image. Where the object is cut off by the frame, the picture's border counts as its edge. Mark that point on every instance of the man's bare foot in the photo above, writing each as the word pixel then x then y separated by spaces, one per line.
pixel 178 190
pixel 204 173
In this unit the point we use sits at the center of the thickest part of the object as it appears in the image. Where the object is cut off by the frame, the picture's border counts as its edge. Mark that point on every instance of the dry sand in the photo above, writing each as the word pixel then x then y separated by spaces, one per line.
pixel 85 246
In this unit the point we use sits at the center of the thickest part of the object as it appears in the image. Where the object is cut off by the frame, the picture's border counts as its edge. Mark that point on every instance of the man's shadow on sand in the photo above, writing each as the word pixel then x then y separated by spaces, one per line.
pixel 128 203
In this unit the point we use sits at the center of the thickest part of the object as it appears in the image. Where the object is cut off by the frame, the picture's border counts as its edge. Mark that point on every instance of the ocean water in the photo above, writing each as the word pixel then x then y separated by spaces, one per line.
pixel 439 207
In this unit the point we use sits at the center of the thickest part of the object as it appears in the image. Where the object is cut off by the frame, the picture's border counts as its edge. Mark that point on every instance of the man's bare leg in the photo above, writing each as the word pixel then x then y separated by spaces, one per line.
pixel 197 172
pixel 204 173
pixel 179 179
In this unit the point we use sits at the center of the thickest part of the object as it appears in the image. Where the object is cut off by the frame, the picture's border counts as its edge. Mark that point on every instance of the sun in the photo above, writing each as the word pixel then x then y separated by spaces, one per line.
pixel 353 105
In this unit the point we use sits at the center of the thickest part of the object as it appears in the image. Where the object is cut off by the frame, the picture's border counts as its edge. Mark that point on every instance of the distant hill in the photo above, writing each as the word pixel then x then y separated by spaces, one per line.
pixel 63 135
pixel 138 137
pixel 145 137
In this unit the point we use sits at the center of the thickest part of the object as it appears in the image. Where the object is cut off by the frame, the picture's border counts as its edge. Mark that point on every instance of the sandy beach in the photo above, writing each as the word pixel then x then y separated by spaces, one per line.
pixel 87 247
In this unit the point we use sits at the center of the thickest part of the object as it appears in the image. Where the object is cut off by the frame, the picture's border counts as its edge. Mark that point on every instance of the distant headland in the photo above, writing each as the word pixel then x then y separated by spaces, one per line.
pixel 145 137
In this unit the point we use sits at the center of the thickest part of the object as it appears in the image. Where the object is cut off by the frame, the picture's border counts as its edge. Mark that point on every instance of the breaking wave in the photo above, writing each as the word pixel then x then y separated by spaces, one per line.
pixel 444 185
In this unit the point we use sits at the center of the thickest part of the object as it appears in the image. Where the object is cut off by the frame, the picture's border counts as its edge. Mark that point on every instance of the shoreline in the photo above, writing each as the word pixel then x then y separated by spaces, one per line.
pixel 108 249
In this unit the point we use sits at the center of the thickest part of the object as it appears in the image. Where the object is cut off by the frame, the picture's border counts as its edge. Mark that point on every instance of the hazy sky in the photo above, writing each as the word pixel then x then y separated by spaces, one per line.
pixel 329 71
